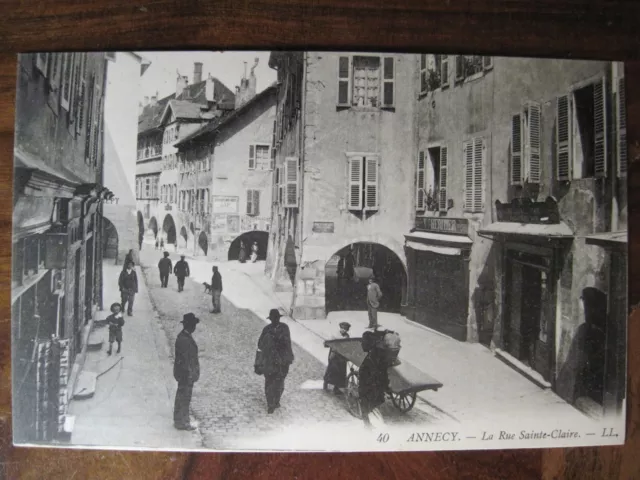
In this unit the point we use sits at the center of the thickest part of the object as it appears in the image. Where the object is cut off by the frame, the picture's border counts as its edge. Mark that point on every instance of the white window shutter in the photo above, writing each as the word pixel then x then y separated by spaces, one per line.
pixel 622 129
pixel 516 150
pixel 420 183
pixel 468 175
pixel 355 182
pixel 563 138
pixel 344 81
pixel 371 183
pixel 533 133
pixel 478 177
pixel 442 199
pixel 291 179
pixel 388 82
pixel 256 202
pixel 600 128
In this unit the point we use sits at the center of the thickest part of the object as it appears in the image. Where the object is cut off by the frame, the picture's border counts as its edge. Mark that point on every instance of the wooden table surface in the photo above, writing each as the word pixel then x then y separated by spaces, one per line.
pixel 577 28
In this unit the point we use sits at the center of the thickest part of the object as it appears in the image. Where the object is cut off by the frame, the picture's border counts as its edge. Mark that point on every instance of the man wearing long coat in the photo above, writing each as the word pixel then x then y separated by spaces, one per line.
pixel 165 266
pixel 181 271
pixel 186 371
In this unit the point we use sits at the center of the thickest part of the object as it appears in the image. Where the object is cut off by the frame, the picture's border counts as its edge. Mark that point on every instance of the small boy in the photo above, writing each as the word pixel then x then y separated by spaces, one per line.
pixel 115 322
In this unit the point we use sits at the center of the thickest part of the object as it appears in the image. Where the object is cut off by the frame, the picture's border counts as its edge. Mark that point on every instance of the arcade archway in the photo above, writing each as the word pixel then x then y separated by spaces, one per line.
pixel 348 271
pixel 169 229
pixel 109 240
pixel 247 239
pixel 153 226
pixel 203 242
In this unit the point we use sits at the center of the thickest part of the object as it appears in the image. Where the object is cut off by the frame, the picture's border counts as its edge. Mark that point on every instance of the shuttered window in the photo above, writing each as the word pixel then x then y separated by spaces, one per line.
pixel 388 82
pixel 344 81
pixel 532 159
pixel 444 70
pixel 252 157
pixel 253 202
pixel 563 139
pixel 600 128
pixel 66 80
pixel 355 182
pixel 82 91
pixel 420 183
pixel 42 63
pixel 371 183
pixel 474 152
pixel 423 73
pixel 291 182
pixel 516 150
pixel 442 200
pixel 622 129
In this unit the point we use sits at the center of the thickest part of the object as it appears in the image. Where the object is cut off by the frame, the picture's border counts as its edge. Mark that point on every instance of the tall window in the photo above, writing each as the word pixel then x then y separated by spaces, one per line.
pixel 431 194
pixel 366 81
pixel 469 65
pixel 581 126
pixel 525 145
pixel 621 129
pixel 253 202
pixel 363 182
pixel 147 187
pixel 259 157
pixel 474 154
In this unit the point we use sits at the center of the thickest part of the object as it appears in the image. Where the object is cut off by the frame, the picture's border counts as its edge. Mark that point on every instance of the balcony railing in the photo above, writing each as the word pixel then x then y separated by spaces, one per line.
pixel 149 152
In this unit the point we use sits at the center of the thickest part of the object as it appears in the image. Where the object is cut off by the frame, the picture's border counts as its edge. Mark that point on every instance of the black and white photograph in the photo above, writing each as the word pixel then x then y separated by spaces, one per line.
pixel 318 251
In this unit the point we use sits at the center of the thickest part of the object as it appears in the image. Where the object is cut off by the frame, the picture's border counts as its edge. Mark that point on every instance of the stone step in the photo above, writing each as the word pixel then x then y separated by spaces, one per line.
pixel 67 429
pixel 85 385
pixel 95 340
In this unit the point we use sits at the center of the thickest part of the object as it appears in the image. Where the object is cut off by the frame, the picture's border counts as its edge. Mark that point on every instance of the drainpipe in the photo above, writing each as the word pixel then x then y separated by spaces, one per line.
pixel 301 144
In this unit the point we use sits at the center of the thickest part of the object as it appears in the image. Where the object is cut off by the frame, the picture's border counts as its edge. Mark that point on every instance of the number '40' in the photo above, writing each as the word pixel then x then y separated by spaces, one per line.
pixel 383 438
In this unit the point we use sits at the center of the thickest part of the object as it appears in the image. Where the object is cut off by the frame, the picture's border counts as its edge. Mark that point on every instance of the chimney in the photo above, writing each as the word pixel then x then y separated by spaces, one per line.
pixel 247 89
pixel 153 100
pixel 209 89
pixel 181 84
pixel 197 72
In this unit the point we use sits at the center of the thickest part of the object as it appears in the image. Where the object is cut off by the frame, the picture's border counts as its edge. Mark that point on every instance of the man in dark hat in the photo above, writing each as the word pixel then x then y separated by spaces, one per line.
pixel 181 271
pixel 128 258
pixel 216 290
pixel 374 294
pixel 128 283
pixel 336 373
pixel 186 371
pixel 277 356
pixel 115 323
pixel 165 266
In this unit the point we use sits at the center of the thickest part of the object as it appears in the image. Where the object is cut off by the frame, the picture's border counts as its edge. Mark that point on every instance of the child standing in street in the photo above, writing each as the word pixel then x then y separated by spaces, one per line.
pixel 115 322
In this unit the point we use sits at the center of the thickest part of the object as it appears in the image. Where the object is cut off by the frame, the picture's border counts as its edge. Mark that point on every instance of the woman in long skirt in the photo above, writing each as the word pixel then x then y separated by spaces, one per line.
pixel 336 373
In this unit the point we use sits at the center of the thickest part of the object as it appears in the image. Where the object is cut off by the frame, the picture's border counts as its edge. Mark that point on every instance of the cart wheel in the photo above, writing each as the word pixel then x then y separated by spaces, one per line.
pixel 403 401
pixel 352 397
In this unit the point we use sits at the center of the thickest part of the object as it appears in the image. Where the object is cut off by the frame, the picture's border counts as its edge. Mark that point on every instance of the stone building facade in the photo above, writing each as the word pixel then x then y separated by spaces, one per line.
pixel 57 227
pixel 233 190
pixel 518 162
pixel 343 148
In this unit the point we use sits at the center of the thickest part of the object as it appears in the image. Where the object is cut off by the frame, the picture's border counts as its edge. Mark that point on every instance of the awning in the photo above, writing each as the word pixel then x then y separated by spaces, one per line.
pixel 31 215
pixel 433 248
pixel 553 230
pixel 428 237
pixel 608 239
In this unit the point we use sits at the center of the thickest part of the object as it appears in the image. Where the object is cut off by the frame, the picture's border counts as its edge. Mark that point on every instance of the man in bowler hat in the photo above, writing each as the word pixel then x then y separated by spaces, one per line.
pixel 186 371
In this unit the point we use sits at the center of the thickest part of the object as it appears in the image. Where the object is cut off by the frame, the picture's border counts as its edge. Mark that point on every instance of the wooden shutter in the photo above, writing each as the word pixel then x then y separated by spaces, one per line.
pixel 249 202
pixel 600 128
pixel 532 161
pixel 73 88
pixel 281 182
pixel 442 199
pixel 42 63
pixel 82 91
pixel 563 138
pixel 291 178
pixel 420 180
pixel 355 183
pixel 444 70
pixel 66 80
pixel 252 157
pixel 487 63
pixel 478 163
pixel 423 73
pixel 371 183
pixel 388 82
pixel 459 68
pixel 256 202
pixel 516 150
pixel 344 81
pixel 467 150
pixel 622 129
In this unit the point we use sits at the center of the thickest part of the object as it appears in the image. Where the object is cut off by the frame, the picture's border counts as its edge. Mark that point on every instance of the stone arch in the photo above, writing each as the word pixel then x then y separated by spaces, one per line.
pixel 153 226
pixel 203 243
pixel 169 229
pixel 110 240
pixel 369 257
pixel 184 237
pixel 247 238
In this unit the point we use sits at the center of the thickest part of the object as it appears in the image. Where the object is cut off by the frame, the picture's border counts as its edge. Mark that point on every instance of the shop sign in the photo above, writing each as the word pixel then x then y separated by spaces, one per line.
pixel 453 226
pixel 323 227
pixel 225 204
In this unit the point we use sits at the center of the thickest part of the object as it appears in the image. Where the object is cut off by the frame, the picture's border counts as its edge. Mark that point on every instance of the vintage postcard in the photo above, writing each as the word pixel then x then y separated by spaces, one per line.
pixel 318 251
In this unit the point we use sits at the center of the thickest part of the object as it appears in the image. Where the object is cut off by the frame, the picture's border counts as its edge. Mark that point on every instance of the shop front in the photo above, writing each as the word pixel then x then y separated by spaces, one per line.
pixel 438 251
pixel 533 244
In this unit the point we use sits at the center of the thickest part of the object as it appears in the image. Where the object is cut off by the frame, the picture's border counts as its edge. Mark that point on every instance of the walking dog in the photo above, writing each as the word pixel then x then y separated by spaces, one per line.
pixel 207 287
